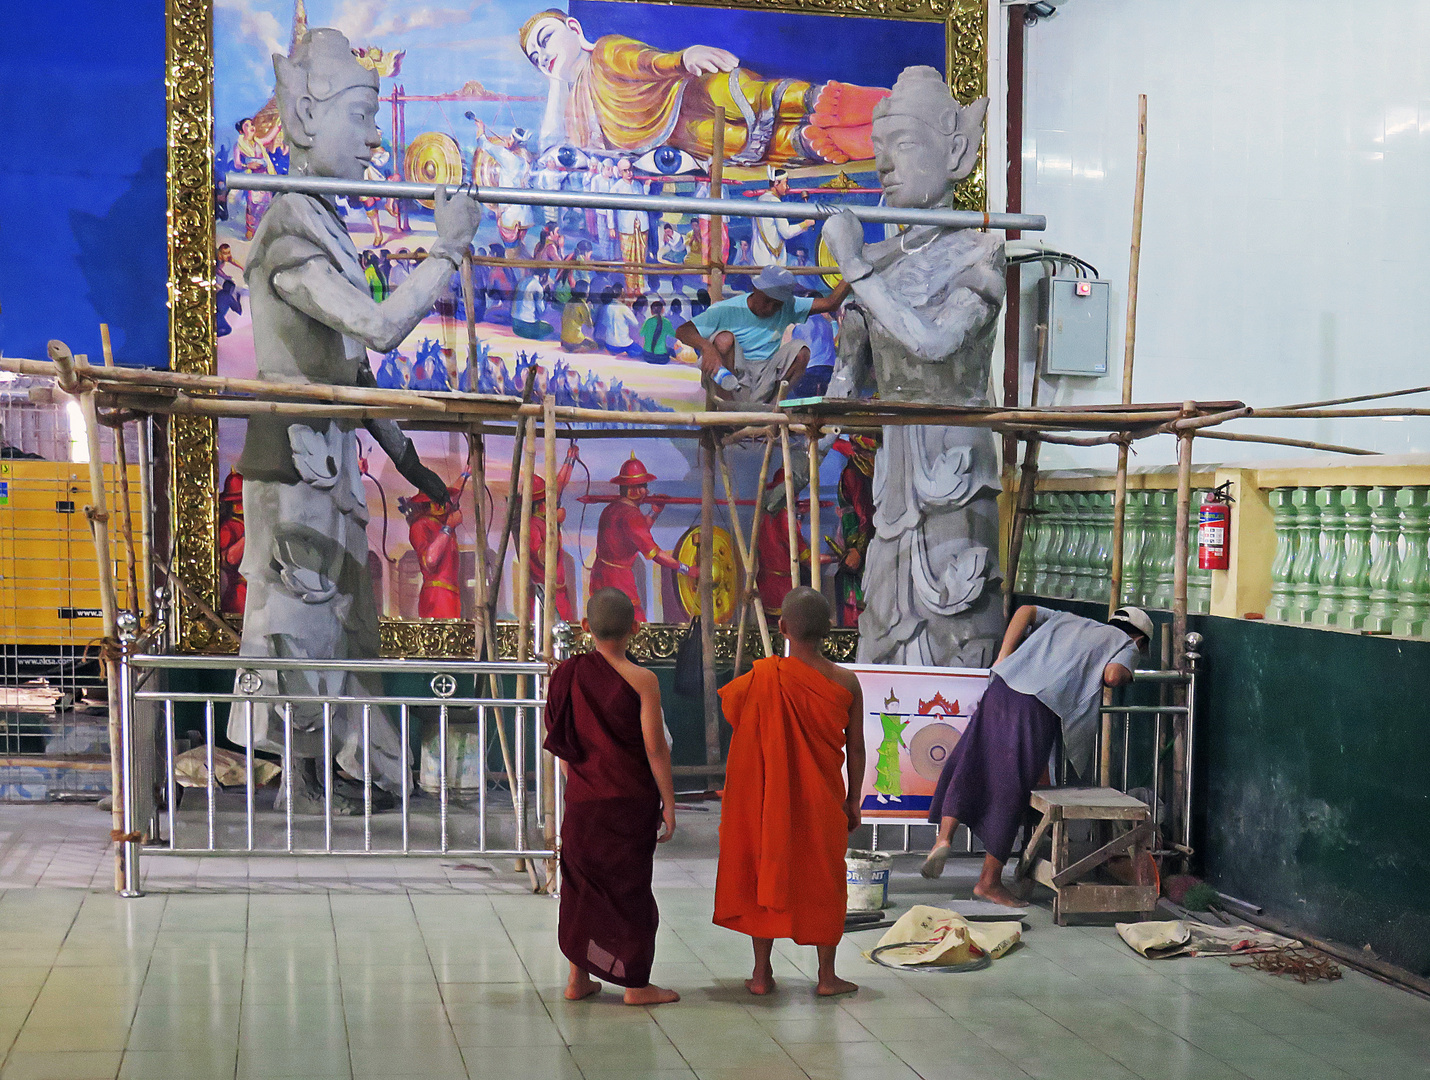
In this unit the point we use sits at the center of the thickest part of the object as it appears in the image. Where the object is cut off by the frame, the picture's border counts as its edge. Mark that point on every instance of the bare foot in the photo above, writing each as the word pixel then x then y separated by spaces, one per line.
pixel 933 865
pixel 996 894
pixel 581 986
pixel 650 995
pixel 761 983
pixel 834 986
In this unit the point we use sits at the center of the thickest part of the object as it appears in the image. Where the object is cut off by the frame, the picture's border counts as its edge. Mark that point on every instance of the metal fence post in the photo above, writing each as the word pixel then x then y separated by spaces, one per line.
pixel 127 627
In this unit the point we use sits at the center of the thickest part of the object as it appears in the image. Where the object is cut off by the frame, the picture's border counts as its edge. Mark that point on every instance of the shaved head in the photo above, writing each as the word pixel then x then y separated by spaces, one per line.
pixel 611 614
pixel 806 615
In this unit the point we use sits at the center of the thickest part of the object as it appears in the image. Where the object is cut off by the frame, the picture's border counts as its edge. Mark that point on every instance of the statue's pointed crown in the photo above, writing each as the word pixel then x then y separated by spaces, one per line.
pixel 322 65
pixel 920 92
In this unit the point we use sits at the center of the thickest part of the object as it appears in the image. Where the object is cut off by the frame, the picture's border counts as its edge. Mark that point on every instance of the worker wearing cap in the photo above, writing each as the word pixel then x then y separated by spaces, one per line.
pixel 1048 679
pixel 744 335
pixel 623 535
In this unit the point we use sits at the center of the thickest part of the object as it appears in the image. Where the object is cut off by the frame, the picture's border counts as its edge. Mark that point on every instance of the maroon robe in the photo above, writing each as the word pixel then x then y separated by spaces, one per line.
pixel 608 915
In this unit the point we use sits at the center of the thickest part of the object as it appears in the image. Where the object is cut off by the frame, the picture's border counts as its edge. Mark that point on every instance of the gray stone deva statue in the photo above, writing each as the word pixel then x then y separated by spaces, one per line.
pixel 310 594
pixel 922 329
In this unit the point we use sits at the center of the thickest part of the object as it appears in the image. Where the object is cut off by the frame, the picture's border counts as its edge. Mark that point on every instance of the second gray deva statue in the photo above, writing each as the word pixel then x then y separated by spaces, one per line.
pixel 922 329
pixel 310 593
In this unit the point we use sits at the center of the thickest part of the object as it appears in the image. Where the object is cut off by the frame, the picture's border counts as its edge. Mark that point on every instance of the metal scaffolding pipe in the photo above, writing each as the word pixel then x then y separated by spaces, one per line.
pixel 679 204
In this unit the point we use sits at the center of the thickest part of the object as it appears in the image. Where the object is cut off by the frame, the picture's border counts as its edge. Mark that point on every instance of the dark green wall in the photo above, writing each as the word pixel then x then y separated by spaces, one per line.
pixel 1313 779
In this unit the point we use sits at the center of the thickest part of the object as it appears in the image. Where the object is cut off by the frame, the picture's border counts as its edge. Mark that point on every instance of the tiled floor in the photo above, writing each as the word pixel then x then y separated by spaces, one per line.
pixel 304 971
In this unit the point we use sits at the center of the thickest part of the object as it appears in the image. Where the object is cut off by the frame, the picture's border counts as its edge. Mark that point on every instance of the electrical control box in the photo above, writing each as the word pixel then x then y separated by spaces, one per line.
pixel 1076 312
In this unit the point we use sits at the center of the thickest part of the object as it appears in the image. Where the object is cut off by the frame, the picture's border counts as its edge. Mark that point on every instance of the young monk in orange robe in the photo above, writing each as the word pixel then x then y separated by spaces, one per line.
pixel 787 811
pixel 603 721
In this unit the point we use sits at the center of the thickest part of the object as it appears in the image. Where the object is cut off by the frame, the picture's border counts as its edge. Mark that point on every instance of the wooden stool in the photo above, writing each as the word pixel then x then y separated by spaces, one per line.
pixel 1073 861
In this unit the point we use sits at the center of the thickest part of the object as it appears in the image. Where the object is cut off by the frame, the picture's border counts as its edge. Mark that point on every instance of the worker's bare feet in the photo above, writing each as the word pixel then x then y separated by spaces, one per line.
pixel 762 982
pixel 933 865
pixel 996 893
pixel 581 986
pixel 834 986
pixel 650 995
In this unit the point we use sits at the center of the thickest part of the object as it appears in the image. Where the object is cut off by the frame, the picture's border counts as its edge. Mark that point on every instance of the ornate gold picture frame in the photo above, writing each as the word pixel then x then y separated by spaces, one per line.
pixel 193 446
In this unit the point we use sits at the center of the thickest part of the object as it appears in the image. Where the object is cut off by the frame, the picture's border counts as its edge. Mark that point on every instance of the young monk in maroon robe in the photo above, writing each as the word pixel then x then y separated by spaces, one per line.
pixel 603 720
pixel 787 811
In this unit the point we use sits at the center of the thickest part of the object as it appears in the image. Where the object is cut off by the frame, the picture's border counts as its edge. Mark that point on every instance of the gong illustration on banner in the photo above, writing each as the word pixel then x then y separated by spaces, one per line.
pixel 433 158
pixel 930 748
pixel 726 579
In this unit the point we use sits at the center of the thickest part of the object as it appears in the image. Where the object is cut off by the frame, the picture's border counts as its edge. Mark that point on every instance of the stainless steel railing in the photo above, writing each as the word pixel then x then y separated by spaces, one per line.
pixel 494 821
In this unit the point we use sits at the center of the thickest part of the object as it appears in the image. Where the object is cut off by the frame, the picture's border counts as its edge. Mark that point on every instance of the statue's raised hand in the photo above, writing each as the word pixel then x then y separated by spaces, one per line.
pixel 707 60
pixel 844 236
pixel 457 217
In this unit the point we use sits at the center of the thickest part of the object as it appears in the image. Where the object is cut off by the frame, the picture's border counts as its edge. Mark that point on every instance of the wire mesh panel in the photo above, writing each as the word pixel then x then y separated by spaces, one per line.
pixel 54 740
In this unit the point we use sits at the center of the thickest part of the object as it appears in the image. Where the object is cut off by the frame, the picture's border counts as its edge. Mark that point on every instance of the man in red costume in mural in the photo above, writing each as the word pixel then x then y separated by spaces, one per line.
pixel 539 513
pixel 772 576
pixel 433 535
pixel 623 535
pixel 856 523
pixel 233 590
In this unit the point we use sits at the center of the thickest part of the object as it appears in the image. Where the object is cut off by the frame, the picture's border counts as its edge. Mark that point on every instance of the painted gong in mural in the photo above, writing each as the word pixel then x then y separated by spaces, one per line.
pixel 505 93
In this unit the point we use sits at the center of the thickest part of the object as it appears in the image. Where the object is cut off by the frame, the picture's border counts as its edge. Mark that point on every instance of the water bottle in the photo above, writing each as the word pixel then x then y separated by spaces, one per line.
pixel 725 379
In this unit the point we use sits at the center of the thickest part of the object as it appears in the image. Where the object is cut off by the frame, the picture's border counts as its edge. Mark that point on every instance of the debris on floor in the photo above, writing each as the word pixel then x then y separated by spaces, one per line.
pixel 1184 937
pixel 191 768
pixel 1300 963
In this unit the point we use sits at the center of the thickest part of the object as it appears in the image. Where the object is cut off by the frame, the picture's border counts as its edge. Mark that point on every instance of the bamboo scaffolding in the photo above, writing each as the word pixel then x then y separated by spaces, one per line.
pixel 1306 444
pixel 550 574
pixel 1129 350
pixel 98 514
pixel 126 510
pixel 1180 764
pixel 523 612
pixel 816 542
pixel 748 555
pixel 790 519
pixel 1027 484
pixel 706 554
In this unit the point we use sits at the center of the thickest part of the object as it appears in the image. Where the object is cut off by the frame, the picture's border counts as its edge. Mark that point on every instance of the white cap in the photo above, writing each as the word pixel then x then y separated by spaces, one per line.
pixel 1134 617
pixel 777 283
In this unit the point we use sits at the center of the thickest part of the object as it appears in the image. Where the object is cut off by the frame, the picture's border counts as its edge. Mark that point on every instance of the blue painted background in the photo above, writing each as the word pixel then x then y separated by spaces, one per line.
pixel 82 178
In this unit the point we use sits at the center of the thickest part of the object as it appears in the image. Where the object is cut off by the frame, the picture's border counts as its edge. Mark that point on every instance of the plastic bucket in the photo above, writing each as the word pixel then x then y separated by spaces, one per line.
pixel 868 878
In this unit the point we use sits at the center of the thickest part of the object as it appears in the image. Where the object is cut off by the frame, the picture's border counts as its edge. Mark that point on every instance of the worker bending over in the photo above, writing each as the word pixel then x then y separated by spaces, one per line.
pixel 1047 681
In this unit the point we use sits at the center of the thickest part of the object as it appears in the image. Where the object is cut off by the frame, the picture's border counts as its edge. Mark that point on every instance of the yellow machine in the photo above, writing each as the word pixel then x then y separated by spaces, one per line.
pixel 49 592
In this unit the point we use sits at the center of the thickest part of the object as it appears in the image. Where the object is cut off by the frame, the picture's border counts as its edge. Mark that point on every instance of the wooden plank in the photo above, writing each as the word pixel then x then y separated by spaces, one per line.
pixel 1106 899
pixel 1043 873
pixel 1081 804
pixel 1070 874
pixel 1030 850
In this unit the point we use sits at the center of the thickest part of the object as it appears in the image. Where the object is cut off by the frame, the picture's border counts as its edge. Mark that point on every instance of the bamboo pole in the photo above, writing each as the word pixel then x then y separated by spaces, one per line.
pixel 513 503
pixel 816 541
pixel 98 514
pixel 1358 397
pixel 715 250
pixel 550 575
pixel 1236 436
pixel 707 598
pixel 477 468
pixel 1027 485
pixel 1129 348
pixel 126 510
pixel 523 592
pixel 485 637
pixel 747 551
pixel 791 520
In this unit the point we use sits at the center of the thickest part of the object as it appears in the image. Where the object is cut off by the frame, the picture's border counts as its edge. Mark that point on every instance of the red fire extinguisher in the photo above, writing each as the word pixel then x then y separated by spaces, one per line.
pixel 1214 529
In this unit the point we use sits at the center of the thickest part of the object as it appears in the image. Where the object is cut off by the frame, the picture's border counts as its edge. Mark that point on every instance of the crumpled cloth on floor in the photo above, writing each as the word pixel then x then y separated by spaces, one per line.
pixel 1183 937
pixel 939 936
pixel 191 768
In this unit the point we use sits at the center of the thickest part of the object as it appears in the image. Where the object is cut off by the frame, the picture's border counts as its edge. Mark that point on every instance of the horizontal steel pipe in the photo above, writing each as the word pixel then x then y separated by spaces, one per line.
pixel 287 663
pixel 679 204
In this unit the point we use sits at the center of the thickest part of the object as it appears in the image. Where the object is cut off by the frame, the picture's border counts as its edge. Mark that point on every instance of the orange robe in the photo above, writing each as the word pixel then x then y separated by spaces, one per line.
pixel 783 832
pixel 631 97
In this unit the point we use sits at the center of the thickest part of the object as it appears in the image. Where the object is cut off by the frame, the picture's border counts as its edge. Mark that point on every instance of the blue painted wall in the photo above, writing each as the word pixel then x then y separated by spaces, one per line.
pixel 82 200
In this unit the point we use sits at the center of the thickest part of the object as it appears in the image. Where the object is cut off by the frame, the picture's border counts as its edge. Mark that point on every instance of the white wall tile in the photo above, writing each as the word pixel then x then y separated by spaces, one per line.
pixel 1286 241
